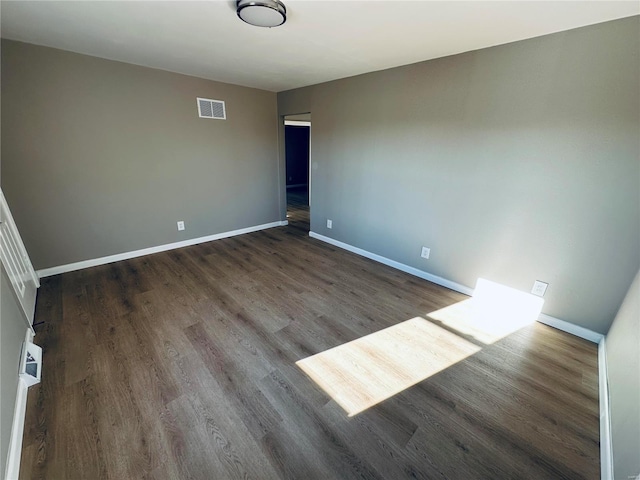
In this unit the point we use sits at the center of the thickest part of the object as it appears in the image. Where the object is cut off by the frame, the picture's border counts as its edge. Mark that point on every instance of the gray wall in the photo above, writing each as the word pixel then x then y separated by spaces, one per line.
pixel 102 157
pixel 512 163
pixel 303 117
pixel 13 328
pixel 623 364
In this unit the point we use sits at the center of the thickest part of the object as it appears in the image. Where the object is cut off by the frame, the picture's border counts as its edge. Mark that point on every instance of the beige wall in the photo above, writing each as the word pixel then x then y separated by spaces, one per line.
pixel 514 163
pixel 623 364
pixel 102 157
pixel 303 117
pixel 13 328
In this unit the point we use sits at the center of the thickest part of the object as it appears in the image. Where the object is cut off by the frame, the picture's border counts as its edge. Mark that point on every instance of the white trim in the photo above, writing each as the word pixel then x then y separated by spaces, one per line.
pixel 397 265
pixel 70 267
pixel 571 328
pixel 17 429
pixel 14 453
pixel 310 171
pixel 606 451
pixel 546 319
pixel 297 123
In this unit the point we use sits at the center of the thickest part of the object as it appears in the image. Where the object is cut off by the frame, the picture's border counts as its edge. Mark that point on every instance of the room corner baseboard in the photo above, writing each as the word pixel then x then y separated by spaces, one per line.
pixel 606 450
pixel 70 267
pixel 12 468
pixel 563 325
pixel 397 265
pixel 571 328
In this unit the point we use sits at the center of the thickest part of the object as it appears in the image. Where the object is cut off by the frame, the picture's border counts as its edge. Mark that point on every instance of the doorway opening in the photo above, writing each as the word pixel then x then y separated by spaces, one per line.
pixel 297 134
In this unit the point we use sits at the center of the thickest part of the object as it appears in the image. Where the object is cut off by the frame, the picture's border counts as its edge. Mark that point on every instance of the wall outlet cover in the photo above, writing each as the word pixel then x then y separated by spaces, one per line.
pixel 180 225
pixel 425 252
pixel 329 223
pixel 539 288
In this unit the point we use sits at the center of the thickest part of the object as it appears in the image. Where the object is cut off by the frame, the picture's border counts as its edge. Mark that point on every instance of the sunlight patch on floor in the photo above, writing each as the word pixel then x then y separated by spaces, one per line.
pixel 493 312
pixel 366 371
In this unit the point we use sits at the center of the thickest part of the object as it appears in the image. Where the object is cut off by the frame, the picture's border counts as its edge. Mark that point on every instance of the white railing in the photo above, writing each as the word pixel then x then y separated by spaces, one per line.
pixel 16 262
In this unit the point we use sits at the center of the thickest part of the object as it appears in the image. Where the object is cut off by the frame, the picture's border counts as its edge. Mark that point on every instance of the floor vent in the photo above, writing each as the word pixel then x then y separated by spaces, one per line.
pixel 208 108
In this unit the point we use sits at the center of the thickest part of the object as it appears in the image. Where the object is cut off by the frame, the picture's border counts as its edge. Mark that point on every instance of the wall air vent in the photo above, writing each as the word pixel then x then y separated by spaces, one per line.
pixel 208 108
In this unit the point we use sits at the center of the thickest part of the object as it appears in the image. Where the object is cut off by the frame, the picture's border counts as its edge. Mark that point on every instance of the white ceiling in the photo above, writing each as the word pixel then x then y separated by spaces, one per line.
pixel 322 40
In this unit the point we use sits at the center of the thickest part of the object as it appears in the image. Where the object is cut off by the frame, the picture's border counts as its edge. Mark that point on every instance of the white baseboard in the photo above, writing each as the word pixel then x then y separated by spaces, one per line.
pixel 546 319
pixel 606 451
pixel 397 265
pixel 12 469
pixel 70 267
pixel 571 328
pixel 17 429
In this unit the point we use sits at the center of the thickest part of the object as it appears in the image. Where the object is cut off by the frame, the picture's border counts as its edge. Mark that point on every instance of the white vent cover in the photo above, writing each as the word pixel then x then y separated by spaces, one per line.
pixel 208 108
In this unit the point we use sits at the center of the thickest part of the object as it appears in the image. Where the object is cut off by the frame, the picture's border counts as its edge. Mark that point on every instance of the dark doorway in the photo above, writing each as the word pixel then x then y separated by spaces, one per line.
pixel 297 154
pixel 297 141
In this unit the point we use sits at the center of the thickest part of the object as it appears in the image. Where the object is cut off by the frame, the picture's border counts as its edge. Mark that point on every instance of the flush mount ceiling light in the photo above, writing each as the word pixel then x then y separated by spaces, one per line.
pixel 262 13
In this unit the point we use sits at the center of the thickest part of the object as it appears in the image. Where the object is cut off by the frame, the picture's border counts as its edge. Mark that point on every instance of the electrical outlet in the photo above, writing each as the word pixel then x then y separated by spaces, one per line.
pixel 539 288
pixel 180 225
pixel 329 223
pixel 425 252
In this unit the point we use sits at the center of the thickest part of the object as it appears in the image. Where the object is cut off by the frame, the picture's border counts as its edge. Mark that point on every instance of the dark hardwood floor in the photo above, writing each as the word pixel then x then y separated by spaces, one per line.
pixel 182 365
pixel 298 209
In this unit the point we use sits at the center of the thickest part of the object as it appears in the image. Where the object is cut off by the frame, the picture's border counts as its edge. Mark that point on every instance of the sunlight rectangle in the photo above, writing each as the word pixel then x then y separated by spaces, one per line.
pixel 494 312
pixel 366 371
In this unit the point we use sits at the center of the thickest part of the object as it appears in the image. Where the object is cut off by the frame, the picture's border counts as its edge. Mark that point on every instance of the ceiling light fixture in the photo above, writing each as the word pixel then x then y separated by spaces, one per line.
pixel 262 13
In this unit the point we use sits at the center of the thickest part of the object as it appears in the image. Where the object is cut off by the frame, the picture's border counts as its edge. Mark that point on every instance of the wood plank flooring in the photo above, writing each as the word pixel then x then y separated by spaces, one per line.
pixel 182 365
pixel 298 208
